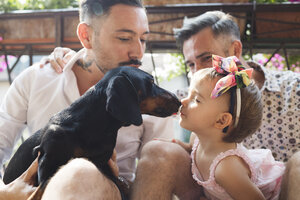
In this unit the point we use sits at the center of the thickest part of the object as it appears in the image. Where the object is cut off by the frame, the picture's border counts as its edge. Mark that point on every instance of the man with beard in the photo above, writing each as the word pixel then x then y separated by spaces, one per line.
pixel 113 33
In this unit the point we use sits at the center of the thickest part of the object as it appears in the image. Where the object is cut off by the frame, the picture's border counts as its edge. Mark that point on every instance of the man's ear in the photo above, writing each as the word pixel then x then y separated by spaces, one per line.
pixel 223 120
pixel 84 33
pixel 237 48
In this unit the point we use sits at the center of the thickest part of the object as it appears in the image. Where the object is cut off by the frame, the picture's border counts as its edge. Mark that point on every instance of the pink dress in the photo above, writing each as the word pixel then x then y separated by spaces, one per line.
pixel 266 173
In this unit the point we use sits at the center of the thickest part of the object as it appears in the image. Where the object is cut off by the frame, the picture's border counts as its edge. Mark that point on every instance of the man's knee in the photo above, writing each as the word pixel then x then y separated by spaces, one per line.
pixel 80 168
pixel 168 166
pixel 160 151
pixel 80 179
pixel 293 169
pixel 291 179
pixel 294 161
pixel 163 158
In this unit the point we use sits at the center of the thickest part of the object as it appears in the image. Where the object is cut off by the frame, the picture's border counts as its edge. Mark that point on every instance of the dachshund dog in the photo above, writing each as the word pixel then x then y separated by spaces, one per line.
pixel 88 127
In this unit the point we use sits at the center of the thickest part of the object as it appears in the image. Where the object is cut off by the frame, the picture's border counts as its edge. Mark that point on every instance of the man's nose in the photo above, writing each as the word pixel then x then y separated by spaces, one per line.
pixel 137 50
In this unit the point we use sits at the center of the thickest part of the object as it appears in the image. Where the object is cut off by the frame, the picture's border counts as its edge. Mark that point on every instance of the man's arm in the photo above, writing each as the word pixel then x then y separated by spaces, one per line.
pixel 13 115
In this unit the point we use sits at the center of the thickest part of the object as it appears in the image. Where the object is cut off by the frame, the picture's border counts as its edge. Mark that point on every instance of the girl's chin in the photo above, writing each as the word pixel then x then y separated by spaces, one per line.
pixel 181 123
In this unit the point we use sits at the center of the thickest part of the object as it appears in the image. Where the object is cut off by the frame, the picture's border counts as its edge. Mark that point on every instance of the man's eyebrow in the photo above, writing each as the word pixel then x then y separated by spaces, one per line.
pixel 198 56
pixel 203 54
pixel 130 31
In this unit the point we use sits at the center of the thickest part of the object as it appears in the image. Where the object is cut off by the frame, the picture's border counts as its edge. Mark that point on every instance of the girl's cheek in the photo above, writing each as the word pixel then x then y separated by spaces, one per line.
pixel 191 105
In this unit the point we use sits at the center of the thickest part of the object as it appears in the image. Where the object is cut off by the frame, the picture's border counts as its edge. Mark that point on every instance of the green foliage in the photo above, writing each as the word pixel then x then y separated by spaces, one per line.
pixel 178 61
pixel 174 66
pixel 10 5
pixel 7 5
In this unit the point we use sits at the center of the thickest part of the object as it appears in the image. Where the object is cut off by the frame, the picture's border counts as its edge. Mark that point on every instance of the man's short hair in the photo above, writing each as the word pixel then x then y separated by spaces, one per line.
pixel 94 8
pixel 219 22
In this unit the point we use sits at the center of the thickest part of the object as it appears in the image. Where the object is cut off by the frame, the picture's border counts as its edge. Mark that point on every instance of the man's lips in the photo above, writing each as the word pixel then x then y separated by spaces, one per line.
pixel 136 66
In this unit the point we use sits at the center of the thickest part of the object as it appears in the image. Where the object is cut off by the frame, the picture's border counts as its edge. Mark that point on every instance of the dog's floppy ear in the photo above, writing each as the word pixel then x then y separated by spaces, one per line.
pixel 122 101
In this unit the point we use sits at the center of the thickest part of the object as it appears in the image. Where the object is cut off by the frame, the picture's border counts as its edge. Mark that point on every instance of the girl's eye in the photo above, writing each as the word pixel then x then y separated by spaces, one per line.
pixel 195 99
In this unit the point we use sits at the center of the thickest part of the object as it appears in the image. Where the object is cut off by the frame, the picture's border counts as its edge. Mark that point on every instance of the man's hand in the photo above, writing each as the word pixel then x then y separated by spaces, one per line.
pixel 58 58
pixel 22 187
pixel 113 164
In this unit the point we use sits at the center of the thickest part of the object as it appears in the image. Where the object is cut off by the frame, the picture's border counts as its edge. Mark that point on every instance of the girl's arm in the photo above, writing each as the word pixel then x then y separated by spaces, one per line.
pixel 233 174
pixel 187 146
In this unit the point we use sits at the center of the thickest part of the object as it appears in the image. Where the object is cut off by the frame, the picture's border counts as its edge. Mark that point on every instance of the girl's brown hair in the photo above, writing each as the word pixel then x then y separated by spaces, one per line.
pixel 251 111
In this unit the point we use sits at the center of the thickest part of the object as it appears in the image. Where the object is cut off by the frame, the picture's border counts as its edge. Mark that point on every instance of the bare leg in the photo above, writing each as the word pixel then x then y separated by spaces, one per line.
pixel 80 179
pixel 164 169
pixel 291 180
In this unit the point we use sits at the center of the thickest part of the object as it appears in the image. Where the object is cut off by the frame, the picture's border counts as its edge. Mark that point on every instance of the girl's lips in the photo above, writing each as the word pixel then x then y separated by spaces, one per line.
pixel 181 113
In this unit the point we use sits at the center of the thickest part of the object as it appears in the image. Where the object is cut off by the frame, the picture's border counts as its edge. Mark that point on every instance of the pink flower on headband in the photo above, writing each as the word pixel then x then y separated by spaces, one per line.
pixel 236 74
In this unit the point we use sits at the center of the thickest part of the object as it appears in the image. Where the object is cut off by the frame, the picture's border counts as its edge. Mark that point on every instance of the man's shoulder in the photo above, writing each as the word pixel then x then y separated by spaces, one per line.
pixel 35 72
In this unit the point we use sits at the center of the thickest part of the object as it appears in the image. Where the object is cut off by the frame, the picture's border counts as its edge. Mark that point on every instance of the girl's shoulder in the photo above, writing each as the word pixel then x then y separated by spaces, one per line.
pixel 230 166
pixel 233 162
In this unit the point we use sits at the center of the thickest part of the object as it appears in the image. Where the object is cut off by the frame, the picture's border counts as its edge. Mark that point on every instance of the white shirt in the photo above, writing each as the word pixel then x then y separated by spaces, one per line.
pixel 37 94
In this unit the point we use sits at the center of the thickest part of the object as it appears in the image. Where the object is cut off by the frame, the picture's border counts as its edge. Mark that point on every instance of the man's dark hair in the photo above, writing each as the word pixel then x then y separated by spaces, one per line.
pixel 219 22
pixel 94 8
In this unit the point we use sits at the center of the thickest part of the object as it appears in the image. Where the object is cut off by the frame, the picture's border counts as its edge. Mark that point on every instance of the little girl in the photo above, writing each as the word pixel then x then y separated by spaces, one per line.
pixel 223 108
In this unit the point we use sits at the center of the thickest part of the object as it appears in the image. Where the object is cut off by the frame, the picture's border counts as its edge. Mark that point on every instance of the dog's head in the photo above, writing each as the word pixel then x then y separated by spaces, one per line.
pixel 132 92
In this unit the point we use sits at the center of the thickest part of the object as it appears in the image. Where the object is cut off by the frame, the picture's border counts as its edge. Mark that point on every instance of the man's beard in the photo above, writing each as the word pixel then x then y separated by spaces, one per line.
pixel 130 62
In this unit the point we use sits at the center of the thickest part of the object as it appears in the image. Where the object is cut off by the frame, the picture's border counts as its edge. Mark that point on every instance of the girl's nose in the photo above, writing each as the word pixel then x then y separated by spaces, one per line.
pixel 184 101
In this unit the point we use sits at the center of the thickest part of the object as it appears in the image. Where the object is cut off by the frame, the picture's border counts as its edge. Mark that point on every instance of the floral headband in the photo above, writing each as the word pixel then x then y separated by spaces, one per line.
pixel 236 75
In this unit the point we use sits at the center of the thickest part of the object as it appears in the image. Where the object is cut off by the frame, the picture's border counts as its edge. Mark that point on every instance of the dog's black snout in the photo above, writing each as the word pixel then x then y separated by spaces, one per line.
pixel 175 104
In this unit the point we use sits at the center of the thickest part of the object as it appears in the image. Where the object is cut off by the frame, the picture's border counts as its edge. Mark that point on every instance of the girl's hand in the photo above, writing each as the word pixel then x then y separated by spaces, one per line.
pixel 186 146
pixel 22 187
pixel 58 58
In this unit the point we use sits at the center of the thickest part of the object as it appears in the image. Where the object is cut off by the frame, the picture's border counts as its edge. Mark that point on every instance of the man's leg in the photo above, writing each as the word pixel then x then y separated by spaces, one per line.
pixel 164 169
pixel 80 179
pixel 291 180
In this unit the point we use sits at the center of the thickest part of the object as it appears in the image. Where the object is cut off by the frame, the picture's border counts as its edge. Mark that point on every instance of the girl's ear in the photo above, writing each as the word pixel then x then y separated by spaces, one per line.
pixel 84 33
pixel 223 120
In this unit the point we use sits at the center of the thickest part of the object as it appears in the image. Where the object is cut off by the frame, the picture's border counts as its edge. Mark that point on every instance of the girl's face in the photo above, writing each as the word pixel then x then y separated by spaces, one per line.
pixel 199 111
